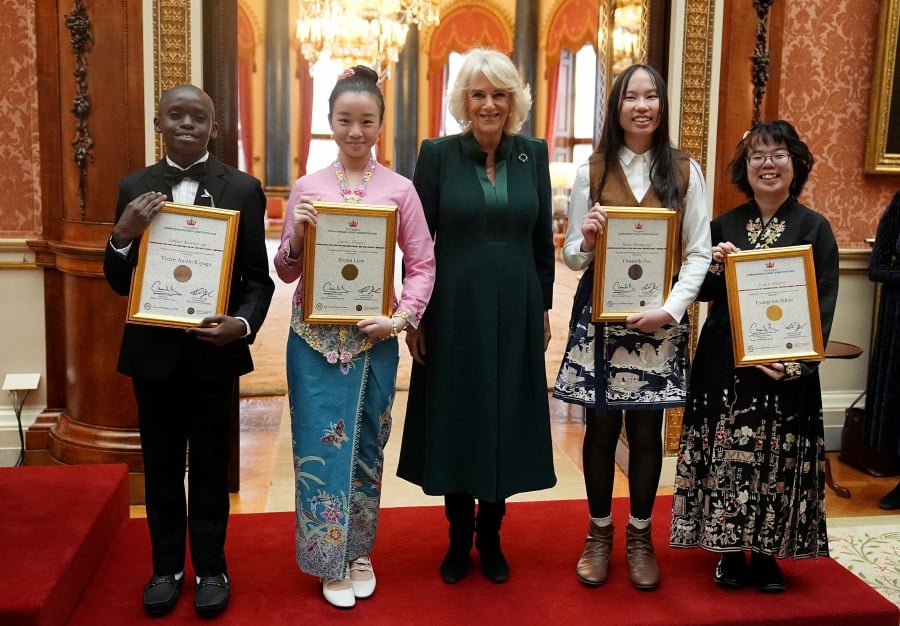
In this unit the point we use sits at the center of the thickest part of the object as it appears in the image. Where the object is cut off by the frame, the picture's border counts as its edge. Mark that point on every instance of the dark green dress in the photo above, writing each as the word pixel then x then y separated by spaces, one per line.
pixel 477 419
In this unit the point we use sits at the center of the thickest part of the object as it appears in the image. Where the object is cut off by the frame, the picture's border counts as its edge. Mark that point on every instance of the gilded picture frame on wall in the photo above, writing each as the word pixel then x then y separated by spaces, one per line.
pixel 883 142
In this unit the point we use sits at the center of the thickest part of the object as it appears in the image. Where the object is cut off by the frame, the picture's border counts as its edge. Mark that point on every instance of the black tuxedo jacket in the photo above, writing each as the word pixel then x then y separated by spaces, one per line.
pixel 153 352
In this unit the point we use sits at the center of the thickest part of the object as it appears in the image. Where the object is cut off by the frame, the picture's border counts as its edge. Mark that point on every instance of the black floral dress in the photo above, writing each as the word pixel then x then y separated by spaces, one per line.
pixel 750 473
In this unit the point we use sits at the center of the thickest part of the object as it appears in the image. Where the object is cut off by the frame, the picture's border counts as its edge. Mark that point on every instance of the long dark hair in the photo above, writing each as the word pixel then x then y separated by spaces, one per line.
pixel 358 78
pixel 772 133
pixel 612 137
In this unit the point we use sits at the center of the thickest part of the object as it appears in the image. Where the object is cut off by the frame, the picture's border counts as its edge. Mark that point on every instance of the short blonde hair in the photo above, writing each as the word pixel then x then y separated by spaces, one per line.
pixel 501 73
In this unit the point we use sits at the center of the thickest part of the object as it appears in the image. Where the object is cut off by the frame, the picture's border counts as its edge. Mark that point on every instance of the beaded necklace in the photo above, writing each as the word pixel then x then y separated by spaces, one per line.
pixel 353 196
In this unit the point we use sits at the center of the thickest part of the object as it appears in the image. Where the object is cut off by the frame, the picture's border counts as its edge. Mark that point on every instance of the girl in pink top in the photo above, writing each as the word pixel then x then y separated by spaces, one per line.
pixel 341 377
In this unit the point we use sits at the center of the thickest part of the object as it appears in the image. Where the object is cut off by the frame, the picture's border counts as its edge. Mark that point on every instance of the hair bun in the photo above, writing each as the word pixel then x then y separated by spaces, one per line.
pixel 366 73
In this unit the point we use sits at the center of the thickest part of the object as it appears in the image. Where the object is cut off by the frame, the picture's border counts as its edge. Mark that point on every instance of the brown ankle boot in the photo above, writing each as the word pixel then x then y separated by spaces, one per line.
pixel 642 567
pixel 594 562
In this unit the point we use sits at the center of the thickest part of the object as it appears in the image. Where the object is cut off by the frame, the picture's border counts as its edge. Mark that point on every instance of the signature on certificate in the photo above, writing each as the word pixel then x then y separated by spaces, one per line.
pixel 331 288
pixel 621 288
pixel 202 293
pixel 650 289
pixel 158 289
pixel 762 331
pixel 369 290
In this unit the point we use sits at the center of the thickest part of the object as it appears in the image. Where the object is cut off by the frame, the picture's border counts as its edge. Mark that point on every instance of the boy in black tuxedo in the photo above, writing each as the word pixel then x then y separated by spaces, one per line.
pixel 184 379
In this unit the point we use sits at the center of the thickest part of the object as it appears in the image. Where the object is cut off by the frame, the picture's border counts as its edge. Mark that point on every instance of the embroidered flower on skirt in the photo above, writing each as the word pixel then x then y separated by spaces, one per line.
pixel 338 343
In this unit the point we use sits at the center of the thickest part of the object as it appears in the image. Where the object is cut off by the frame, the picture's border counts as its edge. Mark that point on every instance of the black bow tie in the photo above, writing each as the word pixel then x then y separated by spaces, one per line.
pixel 175 175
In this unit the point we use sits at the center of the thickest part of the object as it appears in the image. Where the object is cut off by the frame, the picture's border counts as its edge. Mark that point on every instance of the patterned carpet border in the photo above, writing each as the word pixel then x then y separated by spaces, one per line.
pixel 870 549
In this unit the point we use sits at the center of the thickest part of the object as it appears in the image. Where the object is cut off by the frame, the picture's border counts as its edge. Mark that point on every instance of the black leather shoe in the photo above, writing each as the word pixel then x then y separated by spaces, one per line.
pixel 161 593
pixel 766 573
pixel 891 501
pixel 731 570
pixel 211 594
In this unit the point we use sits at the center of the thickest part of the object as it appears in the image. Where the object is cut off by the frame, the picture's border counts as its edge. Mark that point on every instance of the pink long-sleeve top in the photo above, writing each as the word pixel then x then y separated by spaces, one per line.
pixel 385 187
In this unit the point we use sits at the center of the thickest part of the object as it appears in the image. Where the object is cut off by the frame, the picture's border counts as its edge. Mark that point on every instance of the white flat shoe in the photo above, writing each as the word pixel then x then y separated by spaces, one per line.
pixel 362 577
pixel 339 592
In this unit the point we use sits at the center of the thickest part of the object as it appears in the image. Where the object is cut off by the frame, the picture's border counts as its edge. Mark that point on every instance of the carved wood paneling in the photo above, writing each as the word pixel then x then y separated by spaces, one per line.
pixel 90 85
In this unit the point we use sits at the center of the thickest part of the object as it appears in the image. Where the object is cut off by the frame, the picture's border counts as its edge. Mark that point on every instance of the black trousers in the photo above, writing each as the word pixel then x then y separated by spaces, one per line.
pixel 180 415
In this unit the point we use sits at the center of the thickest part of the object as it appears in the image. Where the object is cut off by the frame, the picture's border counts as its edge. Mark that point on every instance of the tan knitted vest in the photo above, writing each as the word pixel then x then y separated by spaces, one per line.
pixel 617 192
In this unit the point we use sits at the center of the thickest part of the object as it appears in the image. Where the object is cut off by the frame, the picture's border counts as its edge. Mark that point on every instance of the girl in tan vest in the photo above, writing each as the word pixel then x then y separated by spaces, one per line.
pixel 630 371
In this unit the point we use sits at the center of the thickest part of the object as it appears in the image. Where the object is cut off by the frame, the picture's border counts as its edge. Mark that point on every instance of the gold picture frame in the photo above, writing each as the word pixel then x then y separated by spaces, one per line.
pixel 348 259
pixel 774 306
pixel 883 142
pixel 633 262
pixel 183 272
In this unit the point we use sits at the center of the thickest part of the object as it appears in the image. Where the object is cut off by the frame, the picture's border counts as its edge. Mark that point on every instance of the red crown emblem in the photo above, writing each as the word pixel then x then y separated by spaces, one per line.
pixel 639 226
pixel 353 223
pixel 770 264
pixel 191 221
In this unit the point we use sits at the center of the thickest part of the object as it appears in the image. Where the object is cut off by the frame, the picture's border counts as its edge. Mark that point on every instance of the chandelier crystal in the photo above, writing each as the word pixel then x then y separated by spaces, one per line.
pixel 360 32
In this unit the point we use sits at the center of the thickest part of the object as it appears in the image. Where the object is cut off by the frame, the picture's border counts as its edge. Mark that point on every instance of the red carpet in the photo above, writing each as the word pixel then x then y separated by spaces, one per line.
pixel 542 542
pixel 55 525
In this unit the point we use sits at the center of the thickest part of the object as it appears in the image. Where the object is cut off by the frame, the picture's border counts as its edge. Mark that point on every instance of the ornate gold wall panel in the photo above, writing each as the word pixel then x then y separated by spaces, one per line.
pixel 171 49
pixel 696 67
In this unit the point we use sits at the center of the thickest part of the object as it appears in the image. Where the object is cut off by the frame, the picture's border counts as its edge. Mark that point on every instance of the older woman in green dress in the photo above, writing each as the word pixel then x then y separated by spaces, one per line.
pixel 477 422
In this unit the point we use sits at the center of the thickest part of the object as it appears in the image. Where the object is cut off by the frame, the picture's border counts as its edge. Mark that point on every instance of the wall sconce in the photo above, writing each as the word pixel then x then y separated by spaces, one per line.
pixel 14 384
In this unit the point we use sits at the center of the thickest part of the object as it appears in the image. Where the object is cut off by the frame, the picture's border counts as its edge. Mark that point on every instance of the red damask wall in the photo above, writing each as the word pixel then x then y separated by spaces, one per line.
pixel 827 67
pixel 20 188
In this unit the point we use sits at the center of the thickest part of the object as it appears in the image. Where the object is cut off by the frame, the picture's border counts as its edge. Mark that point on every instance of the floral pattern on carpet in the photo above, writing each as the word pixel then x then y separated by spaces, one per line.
pixel 872 552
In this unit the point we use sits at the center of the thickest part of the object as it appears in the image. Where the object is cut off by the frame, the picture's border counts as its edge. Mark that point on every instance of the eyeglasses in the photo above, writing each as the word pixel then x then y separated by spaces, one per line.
pixel 779 159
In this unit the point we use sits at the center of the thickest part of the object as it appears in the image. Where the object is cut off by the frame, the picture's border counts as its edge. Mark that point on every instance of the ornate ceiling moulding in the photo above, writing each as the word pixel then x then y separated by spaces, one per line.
pixel 171 49
pixel 79 24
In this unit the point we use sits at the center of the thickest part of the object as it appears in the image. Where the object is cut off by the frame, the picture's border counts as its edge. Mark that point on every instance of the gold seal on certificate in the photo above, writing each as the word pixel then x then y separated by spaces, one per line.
pixel 774 306
pixel 633 262
pixel 348 263
pixel 183 273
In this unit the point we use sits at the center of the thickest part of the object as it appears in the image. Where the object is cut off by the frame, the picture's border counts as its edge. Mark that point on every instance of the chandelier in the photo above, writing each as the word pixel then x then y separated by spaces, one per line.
pixel 360 32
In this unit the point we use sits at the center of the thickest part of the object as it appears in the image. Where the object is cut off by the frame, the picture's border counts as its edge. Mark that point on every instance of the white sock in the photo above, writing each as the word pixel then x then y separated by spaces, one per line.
pixel 638 523
pixel 602 522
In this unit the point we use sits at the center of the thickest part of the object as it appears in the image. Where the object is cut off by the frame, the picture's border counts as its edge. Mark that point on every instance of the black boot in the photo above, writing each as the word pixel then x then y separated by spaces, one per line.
pixel 891 501
pixel 487 540
pixel 460 511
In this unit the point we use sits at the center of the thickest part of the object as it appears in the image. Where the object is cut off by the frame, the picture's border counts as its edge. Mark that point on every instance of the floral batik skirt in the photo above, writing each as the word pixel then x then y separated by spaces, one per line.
pixel 340 421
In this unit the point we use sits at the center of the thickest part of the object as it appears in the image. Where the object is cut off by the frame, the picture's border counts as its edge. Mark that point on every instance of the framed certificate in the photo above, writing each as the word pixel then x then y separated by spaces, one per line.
pixel 348 258
pixel 633 262
pixel 183 273
pixel 774 306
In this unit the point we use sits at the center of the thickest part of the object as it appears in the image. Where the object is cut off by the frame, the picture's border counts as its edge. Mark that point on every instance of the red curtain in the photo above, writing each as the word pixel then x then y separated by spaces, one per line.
pixel 575 23
pixel 552 77
pixel 246 67
pixel 462 28
pixel 306 96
